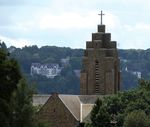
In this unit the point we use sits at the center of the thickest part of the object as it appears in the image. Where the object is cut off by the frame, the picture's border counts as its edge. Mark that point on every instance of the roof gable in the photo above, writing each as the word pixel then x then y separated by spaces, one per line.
pixel 72 102
pixel 79 106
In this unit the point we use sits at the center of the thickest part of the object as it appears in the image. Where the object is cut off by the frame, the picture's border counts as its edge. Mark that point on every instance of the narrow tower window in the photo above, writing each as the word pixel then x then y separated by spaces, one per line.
pixel 96 76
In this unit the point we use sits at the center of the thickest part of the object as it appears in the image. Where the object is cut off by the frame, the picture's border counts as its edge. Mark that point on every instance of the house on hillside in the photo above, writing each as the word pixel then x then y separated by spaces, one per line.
pixel 60 110
pixel 48 70
pixel 138 74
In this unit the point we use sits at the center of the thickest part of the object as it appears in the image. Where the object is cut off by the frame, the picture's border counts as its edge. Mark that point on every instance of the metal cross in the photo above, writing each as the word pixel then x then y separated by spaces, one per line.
pixel 101 14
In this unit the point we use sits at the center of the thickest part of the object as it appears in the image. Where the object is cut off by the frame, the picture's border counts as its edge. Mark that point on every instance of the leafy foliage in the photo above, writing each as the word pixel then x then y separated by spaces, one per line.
pixel 121 109
pixel 16 109
pixel 9 75
pixel 22 106
pixel 99 115
pixel 137 118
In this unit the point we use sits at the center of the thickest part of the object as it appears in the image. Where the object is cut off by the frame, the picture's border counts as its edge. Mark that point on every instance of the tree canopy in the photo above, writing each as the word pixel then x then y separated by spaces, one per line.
pixel 125 109
pixel 16 109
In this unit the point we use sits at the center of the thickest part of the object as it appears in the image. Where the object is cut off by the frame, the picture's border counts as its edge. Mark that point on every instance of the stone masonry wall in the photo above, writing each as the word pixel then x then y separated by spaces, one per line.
pixel 56 114
pixel 101 65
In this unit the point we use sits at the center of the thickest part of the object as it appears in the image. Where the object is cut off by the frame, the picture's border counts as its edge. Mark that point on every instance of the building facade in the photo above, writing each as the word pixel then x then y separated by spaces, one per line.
pixel 100 73
pixel 48 70
pixel 60 110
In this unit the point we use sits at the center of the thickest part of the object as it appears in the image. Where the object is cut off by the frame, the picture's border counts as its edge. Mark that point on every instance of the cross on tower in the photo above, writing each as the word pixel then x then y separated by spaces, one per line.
pixel 101 17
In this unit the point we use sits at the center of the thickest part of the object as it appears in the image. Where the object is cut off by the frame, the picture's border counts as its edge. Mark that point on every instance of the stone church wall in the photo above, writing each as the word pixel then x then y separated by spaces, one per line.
pixel 100 65
pixel 55 113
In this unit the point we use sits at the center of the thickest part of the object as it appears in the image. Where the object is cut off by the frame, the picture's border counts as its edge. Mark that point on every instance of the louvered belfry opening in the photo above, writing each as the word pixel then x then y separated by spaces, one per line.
pixel 96 76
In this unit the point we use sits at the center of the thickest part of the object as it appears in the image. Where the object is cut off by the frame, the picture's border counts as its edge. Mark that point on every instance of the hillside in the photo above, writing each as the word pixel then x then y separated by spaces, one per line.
pixel 133 65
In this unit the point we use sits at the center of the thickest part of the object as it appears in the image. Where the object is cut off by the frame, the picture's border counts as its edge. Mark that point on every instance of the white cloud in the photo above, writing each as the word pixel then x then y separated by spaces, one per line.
pixel 128 27
pixel 112 21
pixel 138 26
pixel 15 42
pixel 67 20
pixel 135 36
pixel 142 26
pixel 73 20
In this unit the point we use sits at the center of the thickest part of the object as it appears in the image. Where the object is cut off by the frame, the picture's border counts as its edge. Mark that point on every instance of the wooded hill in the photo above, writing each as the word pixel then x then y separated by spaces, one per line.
pixel 133 64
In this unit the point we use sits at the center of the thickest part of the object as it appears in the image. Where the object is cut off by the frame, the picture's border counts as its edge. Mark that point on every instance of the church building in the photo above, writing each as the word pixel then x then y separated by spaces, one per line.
pixel 100 76
pixel 59 110
pixel 100 73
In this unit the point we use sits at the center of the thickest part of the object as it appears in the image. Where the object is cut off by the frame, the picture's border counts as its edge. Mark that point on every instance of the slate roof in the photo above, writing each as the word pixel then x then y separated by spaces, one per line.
pixel 40 99
pixel 79 105
pixel 72 102
pixel 88 99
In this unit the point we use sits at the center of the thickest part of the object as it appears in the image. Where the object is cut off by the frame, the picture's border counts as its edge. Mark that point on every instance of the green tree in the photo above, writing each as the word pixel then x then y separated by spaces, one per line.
pixel 9 77
pixel 5 113
pixel 3 45
pixel 16 108
pixel 76 62
pixel 112 110
pixel 102 118
pixel 144 84
pixel 137 118
pixel 99 115
pixel 95 111
pixel 22 106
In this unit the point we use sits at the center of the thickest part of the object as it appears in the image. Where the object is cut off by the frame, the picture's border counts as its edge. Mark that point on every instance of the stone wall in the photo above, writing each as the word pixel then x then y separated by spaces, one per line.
pixel 100 72
pixel 56 114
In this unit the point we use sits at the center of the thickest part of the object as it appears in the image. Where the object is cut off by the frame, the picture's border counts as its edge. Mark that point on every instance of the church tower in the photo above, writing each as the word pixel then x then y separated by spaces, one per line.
pixel 100 72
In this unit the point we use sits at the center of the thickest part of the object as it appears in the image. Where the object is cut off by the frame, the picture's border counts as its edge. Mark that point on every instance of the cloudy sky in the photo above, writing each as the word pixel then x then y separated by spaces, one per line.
pixel 69 23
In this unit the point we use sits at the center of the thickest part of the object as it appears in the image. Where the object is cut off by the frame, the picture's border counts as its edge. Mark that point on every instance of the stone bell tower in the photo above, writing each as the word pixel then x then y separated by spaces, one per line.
pixel 100 72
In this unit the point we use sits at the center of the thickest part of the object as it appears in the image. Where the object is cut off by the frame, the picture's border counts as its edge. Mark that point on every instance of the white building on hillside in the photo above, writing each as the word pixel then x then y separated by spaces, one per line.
pixel 136 73
pixel 48 70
